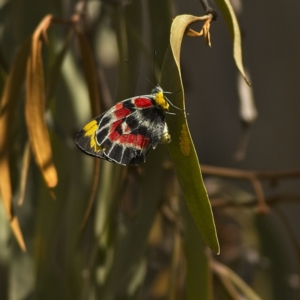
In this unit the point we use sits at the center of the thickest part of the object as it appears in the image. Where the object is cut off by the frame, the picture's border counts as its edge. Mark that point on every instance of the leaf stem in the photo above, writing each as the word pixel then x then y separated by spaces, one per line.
pixel 209 10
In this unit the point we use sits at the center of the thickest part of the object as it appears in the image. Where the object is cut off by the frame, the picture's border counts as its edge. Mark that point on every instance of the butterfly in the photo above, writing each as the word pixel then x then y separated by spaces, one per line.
pixel 125 133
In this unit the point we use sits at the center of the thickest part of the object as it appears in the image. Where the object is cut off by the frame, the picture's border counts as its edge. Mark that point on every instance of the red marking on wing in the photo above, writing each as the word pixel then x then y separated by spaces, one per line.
pixel 114 136
pixel 118 106
pixel 122 113
pixel 127 139
pixel 142 141
pixel 114 125
pixel 143 102
pixel 138 141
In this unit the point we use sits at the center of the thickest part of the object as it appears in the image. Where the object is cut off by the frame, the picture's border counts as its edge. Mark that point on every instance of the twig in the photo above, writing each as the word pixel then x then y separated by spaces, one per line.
pixel 209 10
pixel 254 178
pixel 238 174
pixel 241 174
pixel 219 202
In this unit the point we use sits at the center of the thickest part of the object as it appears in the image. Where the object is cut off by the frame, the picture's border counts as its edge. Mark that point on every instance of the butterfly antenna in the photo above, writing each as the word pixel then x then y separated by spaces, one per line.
pixel 171 93
pixel 139 72
pixel 168 100
pixel 173 104
pixel 176 114
pixel 154 62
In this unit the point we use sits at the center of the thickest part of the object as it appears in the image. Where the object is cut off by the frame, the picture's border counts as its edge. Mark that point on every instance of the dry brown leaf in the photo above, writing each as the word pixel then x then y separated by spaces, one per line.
pixel 7 201
pixel 8 103
pixel 35 107
pixel 204 31
pixel 24 173
pixel 192 33
pixel 15 226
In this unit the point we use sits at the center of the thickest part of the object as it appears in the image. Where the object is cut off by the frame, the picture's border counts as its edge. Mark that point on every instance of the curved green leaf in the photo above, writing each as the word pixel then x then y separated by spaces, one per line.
pixel 233 26
pixel 178 29
pixel 182 149
pixel 197 262
pixel 90 72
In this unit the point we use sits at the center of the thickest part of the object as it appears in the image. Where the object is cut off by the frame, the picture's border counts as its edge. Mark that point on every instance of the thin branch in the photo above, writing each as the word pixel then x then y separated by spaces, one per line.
pixel 241 174
pixel 219 202
pixel 254 178
pixel 245 175
pixel 209 10
pixel 262 207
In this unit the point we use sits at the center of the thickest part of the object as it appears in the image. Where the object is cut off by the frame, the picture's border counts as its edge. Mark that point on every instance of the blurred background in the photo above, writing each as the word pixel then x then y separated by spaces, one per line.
pixel 138 240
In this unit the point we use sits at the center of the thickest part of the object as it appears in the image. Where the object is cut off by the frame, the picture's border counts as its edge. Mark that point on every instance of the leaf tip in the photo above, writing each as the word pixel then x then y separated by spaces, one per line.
pixel 14 223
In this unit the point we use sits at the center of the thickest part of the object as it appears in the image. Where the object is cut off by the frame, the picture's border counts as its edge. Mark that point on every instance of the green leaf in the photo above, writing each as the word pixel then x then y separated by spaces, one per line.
pixel 197 262
pixel 233 283
pixel 90 72
pixel 185 158
pixel 233 26
pixel 55 72
pixel 131 243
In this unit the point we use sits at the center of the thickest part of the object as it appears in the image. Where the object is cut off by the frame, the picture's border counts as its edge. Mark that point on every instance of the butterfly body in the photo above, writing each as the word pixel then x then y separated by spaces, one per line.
pixel 125 133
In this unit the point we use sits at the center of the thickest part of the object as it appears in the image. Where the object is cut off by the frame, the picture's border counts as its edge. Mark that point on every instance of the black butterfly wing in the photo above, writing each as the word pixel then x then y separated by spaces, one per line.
pixel 86 138
pixel 127 133
pixel 148 131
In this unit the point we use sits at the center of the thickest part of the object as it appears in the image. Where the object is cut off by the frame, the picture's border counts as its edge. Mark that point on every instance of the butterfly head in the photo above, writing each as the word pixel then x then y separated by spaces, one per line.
pixel 159 98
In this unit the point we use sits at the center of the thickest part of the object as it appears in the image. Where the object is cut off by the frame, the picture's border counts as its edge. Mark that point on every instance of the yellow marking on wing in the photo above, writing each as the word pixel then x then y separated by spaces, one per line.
pixel 185 142
pixel 94 144
pixel 90 128
pixel 161 101
pixel 90 131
